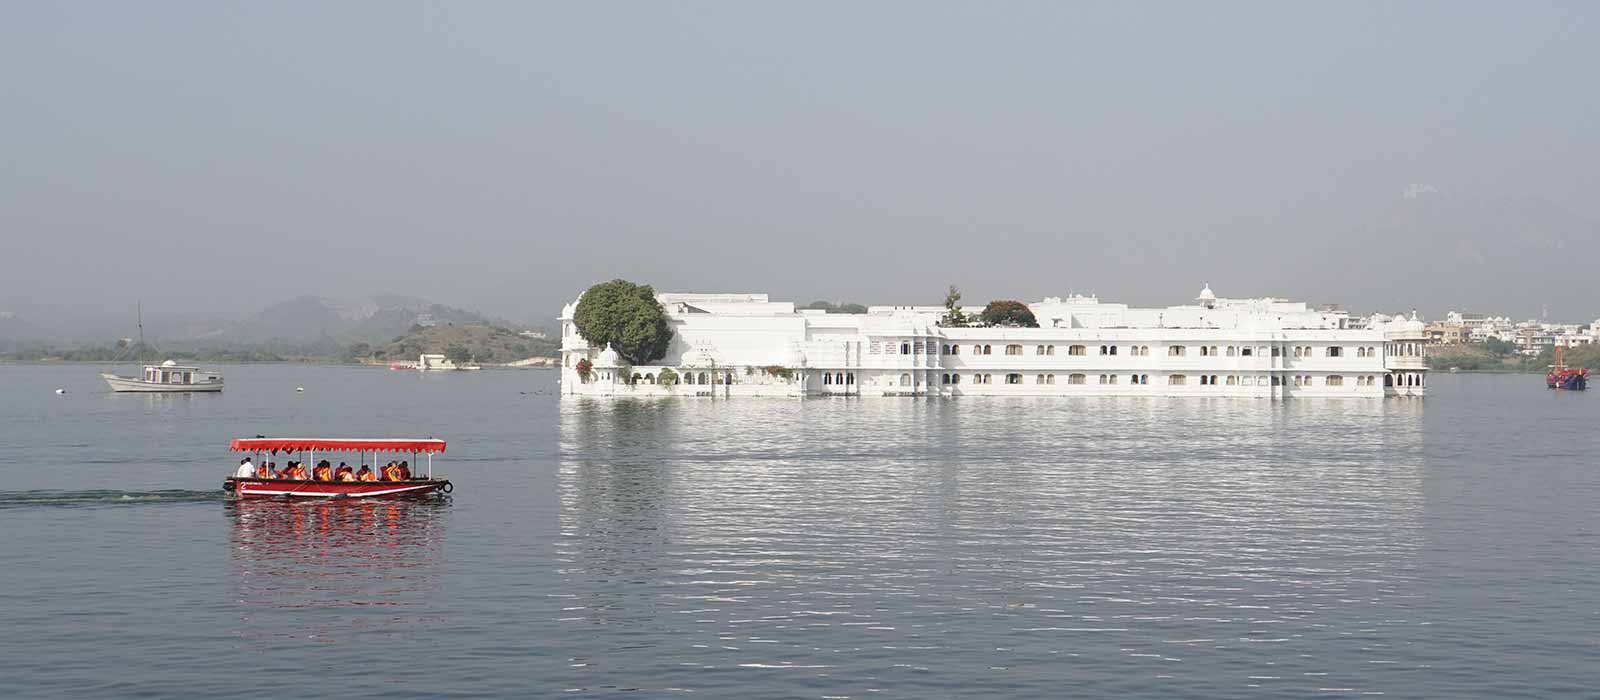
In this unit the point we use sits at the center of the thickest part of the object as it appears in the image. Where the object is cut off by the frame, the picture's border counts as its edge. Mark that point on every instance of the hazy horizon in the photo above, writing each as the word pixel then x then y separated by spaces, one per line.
pixel 213 159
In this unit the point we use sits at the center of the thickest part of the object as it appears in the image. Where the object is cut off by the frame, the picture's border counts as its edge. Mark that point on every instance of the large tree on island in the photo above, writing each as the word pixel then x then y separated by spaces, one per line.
pixel 625 316
pixel 1007 312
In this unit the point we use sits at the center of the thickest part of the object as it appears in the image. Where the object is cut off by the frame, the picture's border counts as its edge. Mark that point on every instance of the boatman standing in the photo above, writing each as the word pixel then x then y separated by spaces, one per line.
pixel 245 470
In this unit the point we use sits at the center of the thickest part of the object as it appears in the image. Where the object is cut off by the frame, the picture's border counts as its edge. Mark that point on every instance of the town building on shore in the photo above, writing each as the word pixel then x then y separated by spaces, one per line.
pixel 730 345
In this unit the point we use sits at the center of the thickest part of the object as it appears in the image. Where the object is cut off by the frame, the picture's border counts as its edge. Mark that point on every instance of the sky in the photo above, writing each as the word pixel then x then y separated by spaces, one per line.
pixel 216 157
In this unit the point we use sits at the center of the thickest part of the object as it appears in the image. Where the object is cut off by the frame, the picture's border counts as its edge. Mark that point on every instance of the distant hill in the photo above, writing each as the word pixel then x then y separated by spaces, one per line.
pixel 481 343
pixel 320 325
pixel 15 328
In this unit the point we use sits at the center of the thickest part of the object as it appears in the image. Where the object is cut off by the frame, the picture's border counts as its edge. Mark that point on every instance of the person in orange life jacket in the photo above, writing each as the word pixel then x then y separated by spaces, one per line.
pixel 388 472
pixel 296 472
pixel 323 471
pixel 344 473
pixel 366 474
pixel 403 471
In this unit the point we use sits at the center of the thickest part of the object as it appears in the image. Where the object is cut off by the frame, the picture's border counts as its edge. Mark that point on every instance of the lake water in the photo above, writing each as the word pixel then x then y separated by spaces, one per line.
pixel 841 548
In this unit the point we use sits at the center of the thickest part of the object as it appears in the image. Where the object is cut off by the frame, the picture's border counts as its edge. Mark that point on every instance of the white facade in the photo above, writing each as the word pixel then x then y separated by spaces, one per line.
pixel 746 345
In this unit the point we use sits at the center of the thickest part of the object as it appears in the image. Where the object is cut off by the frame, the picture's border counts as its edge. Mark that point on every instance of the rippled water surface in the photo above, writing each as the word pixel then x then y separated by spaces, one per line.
pixel 834 548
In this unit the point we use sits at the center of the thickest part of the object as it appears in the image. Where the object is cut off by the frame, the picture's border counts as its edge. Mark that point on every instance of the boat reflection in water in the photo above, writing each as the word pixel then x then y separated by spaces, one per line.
pixel 326 569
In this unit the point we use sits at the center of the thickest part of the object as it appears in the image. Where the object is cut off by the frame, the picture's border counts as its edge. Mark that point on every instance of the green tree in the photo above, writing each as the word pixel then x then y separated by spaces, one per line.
pixel 667 377
pixel 458 354
pixel 625 316
pixel 1008 312
pixel 1499 348
pixel 953 315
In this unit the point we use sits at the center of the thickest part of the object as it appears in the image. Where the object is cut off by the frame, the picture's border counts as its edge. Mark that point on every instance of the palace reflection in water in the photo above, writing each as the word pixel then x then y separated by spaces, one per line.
pixel 876 542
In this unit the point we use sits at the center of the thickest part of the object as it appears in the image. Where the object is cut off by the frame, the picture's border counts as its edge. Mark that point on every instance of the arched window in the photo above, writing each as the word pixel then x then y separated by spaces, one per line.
pixel 945 349
pixel 850 378
pixel 1038 379
pixel 1113 349
pixel 1038 349
pixel 1244 352
pixel 955 379
pixel 1277 380
pixel 1077 379
pixel 988 379
pixel 1049 349
pixel 1177 380
pixel 1213 379
pixel 954 350
pixel 705 378
pixel 1144 378
pixel 988 350
pixel 1232 380
pixel 1334 380
pixel 1014 378
pixel 1013 349
pixel 944 379
pixel 1049 378
pixel 905 348
pixel 1104 350
pixel 649 377
pixel 1103 379
pixel 1232 351
pixel 1204 351
pixel 1276 352
pixel 827 378
pixel 1372 352
pixel 905 380
pixel 1077 350
pixel 1176 351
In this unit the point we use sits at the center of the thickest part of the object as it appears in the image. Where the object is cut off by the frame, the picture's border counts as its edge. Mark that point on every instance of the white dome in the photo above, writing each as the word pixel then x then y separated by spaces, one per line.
pixel 1206 294
pixel 170 363
pixel 794 359
pixel 608 358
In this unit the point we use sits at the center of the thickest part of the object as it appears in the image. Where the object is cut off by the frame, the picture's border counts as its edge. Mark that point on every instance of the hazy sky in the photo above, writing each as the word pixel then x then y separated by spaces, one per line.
pixel 216 157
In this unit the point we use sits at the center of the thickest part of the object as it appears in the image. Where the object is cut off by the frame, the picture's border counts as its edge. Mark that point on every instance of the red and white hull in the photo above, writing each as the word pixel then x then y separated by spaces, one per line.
pixel 290 488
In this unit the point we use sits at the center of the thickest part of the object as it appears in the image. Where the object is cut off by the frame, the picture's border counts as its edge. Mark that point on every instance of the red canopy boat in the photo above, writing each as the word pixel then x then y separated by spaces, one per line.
pixel 275 485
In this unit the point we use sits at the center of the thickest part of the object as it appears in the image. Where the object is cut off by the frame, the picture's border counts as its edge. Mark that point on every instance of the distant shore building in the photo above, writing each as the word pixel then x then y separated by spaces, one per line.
pixel 747 345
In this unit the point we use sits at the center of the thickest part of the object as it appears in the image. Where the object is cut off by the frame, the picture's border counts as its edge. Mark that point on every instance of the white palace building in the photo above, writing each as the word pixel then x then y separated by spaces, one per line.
pixel 727 345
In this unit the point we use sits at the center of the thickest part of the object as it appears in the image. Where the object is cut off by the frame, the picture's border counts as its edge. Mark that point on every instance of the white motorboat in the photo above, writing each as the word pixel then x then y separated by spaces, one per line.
pixel 167 377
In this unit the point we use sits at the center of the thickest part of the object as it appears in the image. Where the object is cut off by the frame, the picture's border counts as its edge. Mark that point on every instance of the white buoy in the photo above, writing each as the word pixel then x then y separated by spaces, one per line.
pixel 61 392
pixel 300 388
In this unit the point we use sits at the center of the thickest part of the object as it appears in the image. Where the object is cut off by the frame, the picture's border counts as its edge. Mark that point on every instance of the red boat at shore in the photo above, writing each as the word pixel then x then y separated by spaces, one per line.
pixel 257 487
pixel 1567 378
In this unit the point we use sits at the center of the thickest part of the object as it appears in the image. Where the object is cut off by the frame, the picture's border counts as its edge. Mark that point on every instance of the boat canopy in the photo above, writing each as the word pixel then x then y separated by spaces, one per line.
pixel 428 445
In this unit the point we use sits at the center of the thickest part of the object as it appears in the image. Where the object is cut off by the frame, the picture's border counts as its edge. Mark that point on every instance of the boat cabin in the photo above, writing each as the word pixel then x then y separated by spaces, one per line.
pixel 170 372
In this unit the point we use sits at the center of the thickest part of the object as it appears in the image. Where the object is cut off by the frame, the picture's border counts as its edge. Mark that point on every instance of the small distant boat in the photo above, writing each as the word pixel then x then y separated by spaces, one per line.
pixel 167 377
pixel 1566 378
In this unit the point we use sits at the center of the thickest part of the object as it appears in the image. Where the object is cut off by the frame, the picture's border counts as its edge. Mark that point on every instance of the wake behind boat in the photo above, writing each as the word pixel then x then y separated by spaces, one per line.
pixel 166 377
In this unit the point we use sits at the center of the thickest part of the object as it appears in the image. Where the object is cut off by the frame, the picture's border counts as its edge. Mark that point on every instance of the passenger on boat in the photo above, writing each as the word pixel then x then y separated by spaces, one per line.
pixel 390 472
pixel 366 474
pixel 404 471
pixel 323 471
pixel 267 470
pixel 295 471
pixel 344 473
pixel 245 470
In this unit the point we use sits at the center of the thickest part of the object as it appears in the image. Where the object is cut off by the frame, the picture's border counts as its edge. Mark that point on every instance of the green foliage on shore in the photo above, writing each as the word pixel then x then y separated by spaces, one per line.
pixel 625 316
pixel 1479 358
pixel 462 344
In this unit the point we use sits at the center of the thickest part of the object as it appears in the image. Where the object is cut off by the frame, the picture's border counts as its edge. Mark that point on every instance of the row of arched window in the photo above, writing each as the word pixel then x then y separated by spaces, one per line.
pixel 839 378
